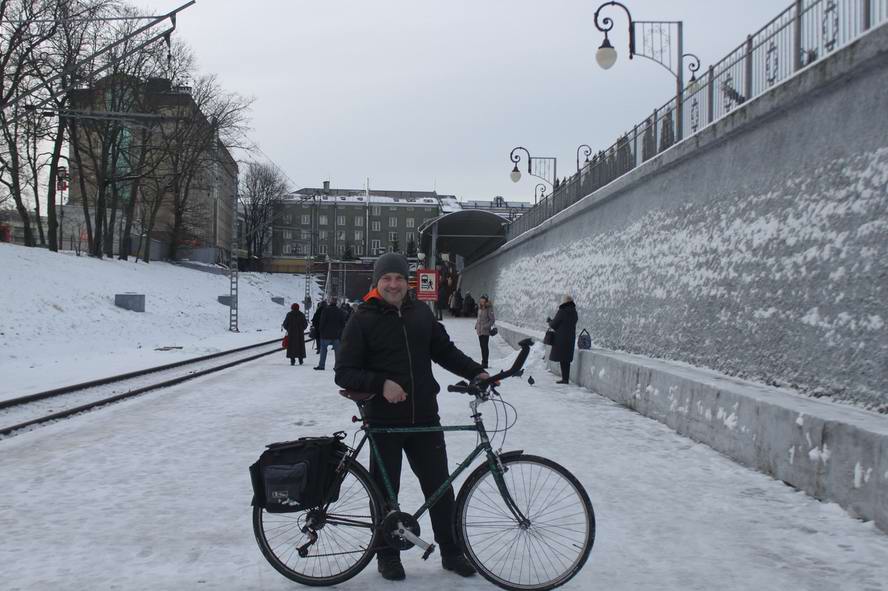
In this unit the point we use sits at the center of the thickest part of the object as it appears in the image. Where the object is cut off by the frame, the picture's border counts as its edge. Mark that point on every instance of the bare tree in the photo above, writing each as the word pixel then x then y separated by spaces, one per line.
pixel 262 189
pixel 24 26
pixel 211 120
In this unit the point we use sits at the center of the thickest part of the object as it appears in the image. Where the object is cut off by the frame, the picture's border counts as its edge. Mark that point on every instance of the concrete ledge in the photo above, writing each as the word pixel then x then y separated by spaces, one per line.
pixel 832 452
pixel 130 301
pixel 277 300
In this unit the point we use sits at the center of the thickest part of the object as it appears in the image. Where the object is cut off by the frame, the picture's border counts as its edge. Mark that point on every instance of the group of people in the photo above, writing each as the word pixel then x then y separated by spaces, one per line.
pixel 387 348
pixel 327 325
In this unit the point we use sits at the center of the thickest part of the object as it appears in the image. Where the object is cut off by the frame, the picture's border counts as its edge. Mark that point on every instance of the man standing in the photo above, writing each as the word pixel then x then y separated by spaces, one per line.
pixel 330 325
pixel 387 348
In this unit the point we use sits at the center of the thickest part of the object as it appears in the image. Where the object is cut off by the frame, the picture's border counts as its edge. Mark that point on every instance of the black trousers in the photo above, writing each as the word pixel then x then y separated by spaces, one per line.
pixel 565 370
pixel 484 340
pixel 427 455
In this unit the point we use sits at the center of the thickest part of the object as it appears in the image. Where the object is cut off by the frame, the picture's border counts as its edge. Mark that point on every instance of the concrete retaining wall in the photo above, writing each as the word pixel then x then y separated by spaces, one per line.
pixel 830 451
pixel 758 247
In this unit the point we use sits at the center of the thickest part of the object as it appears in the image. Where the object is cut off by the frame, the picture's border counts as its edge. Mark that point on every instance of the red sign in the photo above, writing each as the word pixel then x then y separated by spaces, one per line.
pixel 427 285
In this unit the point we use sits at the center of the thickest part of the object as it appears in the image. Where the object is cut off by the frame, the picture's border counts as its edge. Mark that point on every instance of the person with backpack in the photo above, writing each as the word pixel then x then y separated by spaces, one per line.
pixel 387 349
pixel 565 326
pixel 330 325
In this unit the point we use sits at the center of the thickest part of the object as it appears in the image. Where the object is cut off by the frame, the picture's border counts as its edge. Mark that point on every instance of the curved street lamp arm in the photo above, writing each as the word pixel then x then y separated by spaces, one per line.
pixel 515 158
pixel 695 62
pixel 539 192
pixel 587 151
pixel 606 24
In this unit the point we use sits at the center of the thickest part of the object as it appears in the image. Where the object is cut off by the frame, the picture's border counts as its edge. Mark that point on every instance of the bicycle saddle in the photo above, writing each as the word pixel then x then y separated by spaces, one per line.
pixel 356 396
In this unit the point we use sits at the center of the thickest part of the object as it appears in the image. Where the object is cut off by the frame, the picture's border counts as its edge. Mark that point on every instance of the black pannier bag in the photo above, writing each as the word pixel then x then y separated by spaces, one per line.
pixel 297 475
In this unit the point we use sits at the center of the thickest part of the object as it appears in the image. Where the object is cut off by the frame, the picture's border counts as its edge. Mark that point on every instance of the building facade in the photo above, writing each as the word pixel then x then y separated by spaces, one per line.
pixel 336 224
pixel 209 210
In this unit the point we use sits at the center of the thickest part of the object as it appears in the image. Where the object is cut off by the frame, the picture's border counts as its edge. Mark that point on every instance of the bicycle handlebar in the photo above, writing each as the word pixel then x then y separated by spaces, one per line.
pixel 515 370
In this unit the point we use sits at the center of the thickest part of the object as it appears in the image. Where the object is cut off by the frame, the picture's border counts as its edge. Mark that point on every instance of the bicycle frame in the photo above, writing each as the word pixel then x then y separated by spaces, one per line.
pixel 483 446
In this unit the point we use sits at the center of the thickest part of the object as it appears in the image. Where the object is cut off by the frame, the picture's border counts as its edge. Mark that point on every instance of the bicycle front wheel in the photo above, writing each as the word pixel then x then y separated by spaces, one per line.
pixel 542 554
pixel 345 534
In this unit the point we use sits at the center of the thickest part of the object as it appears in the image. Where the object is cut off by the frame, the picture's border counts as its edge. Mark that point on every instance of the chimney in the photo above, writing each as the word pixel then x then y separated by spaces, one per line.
pixel 326 186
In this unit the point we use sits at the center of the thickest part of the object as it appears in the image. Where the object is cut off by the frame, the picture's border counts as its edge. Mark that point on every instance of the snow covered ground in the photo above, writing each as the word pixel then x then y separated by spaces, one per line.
pixel 154 493
pixel 59 325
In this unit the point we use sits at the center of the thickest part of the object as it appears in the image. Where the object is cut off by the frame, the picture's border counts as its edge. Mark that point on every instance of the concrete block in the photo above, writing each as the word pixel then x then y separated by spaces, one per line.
pixel 832 452
pixel 225 300
pixel 130 301
pixel 277 300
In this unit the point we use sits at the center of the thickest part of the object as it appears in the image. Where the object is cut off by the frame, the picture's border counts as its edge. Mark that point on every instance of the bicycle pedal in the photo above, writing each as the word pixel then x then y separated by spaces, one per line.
pixel 428 552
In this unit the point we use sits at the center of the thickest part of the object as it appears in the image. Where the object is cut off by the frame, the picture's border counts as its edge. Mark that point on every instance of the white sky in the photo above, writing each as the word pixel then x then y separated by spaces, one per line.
pixel 421 95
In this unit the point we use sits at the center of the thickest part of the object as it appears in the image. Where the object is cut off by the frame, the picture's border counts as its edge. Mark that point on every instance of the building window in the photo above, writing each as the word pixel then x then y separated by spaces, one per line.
pixel 410 222
pixel 322 249
pixel 393 209
pixel 375 246
pixel 359 249
pixel 340 249
pixel 393 236
pixel 407 238
pixel 287 219
pixel 375 210
pixel 322 235
pixel 305 235
pixel 359 235
pixel 306 220
pixel 340 220
pixel 322 220
pixel 359 220
pixel 340 235
pixel 299 249
pixel 393 222
pixel 288 235
pixel 374 225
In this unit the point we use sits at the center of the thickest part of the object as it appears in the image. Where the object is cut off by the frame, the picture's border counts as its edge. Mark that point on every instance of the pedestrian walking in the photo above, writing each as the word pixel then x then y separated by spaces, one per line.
pixel 315 325
pixel 565 326
pixel 387 349
pixel 442 300
pixel 295 325
pixel 456 303
pixel 468 308
pixel 483 325
pixel 330 325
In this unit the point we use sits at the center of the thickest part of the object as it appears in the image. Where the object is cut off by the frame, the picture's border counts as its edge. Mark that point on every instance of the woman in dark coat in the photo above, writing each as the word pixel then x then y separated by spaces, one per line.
pixel 295 325
pixel 565 326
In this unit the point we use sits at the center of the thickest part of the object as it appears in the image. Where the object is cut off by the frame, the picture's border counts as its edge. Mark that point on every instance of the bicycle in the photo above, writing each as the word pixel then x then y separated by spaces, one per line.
pixel 524 521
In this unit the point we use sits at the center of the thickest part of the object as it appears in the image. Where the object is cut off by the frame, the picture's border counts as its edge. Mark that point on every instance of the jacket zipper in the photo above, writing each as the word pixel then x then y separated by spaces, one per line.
pixel 410 361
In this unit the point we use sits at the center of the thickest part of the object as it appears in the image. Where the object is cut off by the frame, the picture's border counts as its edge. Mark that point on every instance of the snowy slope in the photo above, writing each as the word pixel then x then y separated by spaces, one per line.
pixel 58 322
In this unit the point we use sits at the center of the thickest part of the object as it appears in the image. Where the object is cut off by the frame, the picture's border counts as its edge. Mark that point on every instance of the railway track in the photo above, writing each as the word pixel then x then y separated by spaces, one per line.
pixel 27 412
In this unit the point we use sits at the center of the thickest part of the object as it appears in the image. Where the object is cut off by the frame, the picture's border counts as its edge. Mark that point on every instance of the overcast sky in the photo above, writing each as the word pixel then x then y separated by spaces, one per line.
pixel 421 95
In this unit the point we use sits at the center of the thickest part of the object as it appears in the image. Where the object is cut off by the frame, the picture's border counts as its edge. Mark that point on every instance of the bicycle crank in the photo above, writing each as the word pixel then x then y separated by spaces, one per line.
pixel 401 531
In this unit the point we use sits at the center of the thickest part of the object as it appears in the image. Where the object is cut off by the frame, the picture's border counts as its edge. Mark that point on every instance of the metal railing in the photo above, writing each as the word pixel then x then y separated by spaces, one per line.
pixel 807 31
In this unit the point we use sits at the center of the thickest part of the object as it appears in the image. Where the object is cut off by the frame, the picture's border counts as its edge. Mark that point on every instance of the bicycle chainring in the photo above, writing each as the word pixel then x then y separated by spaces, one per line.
pixel 390 528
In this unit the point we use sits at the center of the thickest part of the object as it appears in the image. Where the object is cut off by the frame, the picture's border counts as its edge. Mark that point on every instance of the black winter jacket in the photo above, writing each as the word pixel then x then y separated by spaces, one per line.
pixel 565 326
pixel 331 323
pixel 380 342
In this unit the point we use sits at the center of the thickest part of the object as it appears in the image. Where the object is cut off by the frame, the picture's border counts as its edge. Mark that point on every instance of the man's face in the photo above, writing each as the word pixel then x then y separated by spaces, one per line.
pixel 393 288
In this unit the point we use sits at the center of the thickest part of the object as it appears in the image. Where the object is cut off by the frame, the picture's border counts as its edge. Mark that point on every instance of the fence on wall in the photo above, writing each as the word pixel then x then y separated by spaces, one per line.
pixel 805 32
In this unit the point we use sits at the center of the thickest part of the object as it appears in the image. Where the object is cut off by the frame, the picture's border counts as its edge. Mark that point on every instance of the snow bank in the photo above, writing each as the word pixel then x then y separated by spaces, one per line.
pixel 58 322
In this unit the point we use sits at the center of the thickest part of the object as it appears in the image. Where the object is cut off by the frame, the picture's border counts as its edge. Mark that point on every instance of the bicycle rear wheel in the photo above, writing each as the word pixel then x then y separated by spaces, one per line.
pixel 346 534
pixel 542 555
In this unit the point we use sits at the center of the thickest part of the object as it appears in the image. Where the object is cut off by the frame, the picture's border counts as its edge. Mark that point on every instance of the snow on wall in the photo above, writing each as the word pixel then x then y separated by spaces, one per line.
pixel 764 256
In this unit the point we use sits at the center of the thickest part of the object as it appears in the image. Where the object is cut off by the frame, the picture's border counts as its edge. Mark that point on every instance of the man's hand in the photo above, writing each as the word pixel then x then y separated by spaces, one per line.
pixel 393 392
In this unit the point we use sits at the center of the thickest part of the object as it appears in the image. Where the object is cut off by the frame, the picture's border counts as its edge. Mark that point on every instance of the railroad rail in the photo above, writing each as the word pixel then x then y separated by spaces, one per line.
pixel 31 410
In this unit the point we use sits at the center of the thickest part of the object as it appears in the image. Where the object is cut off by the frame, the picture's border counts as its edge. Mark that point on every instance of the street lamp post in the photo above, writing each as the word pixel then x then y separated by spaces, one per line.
pixel 656 50
pixel 536 166
pixel 587 151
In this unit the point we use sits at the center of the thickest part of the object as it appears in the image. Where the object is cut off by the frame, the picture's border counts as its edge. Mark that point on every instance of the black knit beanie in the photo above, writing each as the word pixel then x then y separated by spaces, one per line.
pixel 391 262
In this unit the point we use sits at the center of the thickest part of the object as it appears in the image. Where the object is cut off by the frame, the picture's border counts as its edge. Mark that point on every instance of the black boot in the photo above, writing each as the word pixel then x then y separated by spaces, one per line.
pixel 390 568
pixel 459 564
pixel 292 362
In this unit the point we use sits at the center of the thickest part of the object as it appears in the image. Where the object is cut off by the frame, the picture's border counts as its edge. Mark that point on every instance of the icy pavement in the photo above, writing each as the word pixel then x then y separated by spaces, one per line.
pixel 154 493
